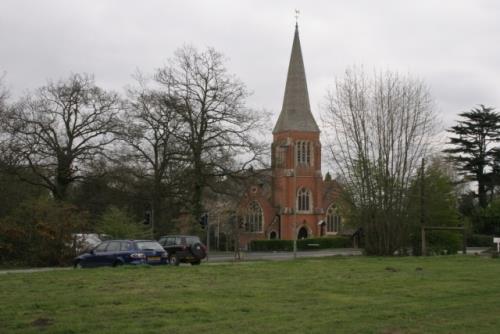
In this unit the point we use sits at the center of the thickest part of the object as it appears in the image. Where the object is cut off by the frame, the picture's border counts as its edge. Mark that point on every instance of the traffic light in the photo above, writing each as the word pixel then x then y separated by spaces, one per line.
pixel 147 218
pixel 203 220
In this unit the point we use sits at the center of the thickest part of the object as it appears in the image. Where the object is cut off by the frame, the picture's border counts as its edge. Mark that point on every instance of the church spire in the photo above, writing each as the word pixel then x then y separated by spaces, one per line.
pixel 296 112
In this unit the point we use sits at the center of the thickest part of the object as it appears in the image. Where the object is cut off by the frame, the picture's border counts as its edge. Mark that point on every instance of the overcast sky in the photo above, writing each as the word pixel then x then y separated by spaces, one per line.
pixel 454 46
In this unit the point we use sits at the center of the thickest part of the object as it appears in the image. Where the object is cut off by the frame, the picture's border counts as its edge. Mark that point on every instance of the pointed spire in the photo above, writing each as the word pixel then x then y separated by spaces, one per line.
pixel 296 112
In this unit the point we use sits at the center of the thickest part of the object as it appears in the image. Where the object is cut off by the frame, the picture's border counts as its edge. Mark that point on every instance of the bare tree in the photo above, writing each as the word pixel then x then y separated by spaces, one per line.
pixel 380 128
pixel 57 131
pixel 216 126
pixel 4 94
pixel 149 129
pixel 3 121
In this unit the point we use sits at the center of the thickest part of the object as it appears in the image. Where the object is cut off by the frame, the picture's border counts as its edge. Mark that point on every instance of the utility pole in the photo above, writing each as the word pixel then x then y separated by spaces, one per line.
pixel 217 245
pixel 152 223
pixel 208 235
pixel 295 205
pixel 422 219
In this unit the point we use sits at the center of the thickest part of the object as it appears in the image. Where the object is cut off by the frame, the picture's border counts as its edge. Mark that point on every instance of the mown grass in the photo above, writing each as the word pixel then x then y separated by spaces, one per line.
pixel 453 294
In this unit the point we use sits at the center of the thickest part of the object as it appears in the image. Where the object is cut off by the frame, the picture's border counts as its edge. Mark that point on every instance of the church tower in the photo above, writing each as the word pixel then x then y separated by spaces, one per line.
pixel 296 157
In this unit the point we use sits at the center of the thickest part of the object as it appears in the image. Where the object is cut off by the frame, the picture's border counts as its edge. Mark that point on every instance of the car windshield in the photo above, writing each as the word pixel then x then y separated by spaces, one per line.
pixel 144 245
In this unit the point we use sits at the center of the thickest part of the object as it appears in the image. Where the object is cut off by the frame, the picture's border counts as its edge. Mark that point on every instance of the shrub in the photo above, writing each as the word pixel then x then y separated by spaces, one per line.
pixel 39 233
pixel 119 224
pixel 480 240
pixel 438 242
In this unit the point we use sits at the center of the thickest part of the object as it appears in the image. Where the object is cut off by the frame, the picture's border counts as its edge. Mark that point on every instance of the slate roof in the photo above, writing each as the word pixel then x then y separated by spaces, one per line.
pixel 296 112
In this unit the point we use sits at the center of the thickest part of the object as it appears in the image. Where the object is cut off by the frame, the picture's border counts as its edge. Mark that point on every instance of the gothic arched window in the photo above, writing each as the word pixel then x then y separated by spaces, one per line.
pixel 303 152
pixel 304 200
pixel 333 220
pixel 254 218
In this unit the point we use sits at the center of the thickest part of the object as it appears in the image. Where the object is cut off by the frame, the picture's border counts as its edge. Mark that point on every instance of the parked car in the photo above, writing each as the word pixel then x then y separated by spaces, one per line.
pixel 183 249
pixel 118 252
pixel 84 242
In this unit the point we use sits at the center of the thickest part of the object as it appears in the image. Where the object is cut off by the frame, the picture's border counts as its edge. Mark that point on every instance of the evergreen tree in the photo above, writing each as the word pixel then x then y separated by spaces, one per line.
pixel 474 149
pixel 328 177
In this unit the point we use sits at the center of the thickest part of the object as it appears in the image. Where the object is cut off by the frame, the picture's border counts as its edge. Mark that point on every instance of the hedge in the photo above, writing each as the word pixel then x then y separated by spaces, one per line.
pixel 438 243
pixel 323 243
pixel 304 244
pixel 480 240
pixel 271 245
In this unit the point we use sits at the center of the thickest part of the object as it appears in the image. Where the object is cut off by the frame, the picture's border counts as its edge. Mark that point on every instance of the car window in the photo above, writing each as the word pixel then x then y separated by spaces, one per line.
pixel 180 241
pixel 144 245
pixel 125 246
pixel 102 247
pixel 114 246
pixel 162 241
pixel 192 240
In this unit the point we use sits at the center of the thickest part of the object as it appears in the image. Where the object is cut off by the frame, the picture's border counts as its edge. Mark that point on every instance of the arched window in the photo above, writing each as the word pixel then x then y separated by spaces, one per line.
pixel 254 218
pixel 304 200
pixel 303 152
pixel 333 220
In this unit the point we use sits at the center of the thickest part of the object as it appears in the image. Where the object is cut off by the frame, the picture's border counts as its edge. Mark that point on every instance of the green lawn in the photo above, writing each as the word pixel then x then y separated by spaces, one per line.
pixel 453 294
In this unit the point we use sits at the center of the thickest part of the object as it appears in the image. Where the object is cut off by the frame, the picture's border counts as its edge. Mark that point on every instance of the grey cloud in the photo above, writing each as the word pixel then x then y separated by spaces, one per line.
pixel 452 45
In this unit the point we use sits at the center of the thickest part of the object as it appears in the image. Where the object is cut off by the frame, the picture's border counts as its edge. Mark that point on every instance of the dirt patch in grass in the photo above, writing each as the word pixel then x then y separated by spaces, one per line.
pixel 42 322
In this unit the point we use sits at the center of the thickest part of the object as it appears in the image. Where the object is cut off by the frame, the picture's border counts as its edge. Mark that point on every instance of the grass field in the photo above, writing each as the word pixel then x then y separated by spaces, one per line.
pixel 453 294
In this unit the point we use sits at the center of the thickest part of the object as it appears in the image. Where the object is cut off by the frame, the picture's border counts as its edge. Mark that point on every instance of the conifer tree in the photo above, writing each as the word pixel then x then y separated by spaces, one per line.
pixel 473 147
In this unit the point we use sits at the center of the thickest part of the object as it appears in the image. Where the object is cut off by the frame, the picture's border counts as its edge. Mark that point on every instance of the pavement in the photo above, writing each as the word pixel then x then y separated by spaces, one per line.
pixel 475 250
pixel 280 256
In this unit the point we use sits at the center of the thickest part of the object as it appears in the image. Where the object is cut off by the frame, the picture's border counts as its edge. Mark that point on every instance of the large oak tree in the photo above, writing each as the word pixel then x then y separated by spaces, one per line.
pixel 60 129
pixel 217 128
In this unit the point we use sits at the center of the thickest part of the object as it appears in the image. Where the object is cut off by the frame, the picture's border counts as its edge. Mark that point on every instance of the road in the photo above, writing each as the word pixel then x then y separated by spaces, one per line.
pixel 276 256
pixel 221 257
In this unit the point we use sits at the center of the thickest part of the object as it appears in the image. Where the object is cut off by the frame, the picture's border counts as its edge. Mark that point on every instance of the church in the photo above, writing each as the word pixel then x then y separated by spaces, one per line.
pixel 292 199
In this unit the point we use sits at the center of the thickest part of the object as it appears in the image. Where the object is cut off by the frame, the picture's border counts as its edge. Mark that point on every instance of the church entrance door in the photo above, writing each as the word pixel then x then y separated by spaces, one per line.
pixel 302 233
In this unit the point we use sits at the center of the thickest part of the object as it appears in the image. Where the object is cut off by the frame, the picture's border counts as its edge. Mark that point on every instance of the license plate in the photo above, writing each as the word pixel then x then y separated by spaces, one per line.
pixel 154 258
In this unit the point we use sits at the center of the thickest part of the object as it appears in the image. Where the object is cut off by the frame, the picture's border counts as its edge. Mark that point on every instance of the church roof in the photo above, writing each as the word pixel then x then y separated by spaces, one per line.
pixel 296 112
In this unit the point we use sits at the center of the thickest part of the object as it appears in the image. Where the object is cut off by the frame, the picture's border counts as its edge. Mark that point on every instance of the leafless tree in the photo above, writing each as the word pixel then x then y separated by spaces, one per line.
pixel 58 130
pixel 4 93
pixel 380 127
pixel 3 121
pixel 216 126
pixel 149 130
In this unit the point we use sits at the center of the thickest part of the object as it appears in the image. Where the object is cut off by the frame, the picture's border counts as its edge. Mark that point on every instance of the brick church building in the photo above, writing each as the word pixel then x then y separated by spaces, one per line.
pixel 292 197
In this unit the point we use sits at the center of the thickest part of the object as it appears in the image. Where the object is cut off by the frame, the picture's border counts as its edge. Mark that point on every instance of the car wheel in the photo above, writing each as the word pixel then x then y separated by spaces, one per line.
pixel 173 259
pixel 117 264
pixel 78 265
pixel 195 263
pixel 198 251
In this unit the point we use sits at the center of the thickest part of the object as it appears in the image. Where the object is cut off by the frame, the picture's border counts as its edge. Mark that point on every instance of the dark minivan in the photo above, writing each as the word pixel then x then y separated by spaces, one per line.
pixel 118 252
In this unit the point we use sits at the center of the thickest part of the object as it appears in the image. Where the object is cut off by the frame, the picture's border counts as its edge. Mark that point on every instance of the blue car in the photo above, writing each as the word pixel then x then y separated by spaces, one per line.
pixel 118 252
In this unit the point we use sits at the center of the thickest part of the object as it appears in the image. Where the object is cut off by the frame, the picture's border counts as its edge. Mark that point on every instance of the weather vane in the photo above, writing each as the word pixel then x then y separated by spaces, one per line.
pixel 297 12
